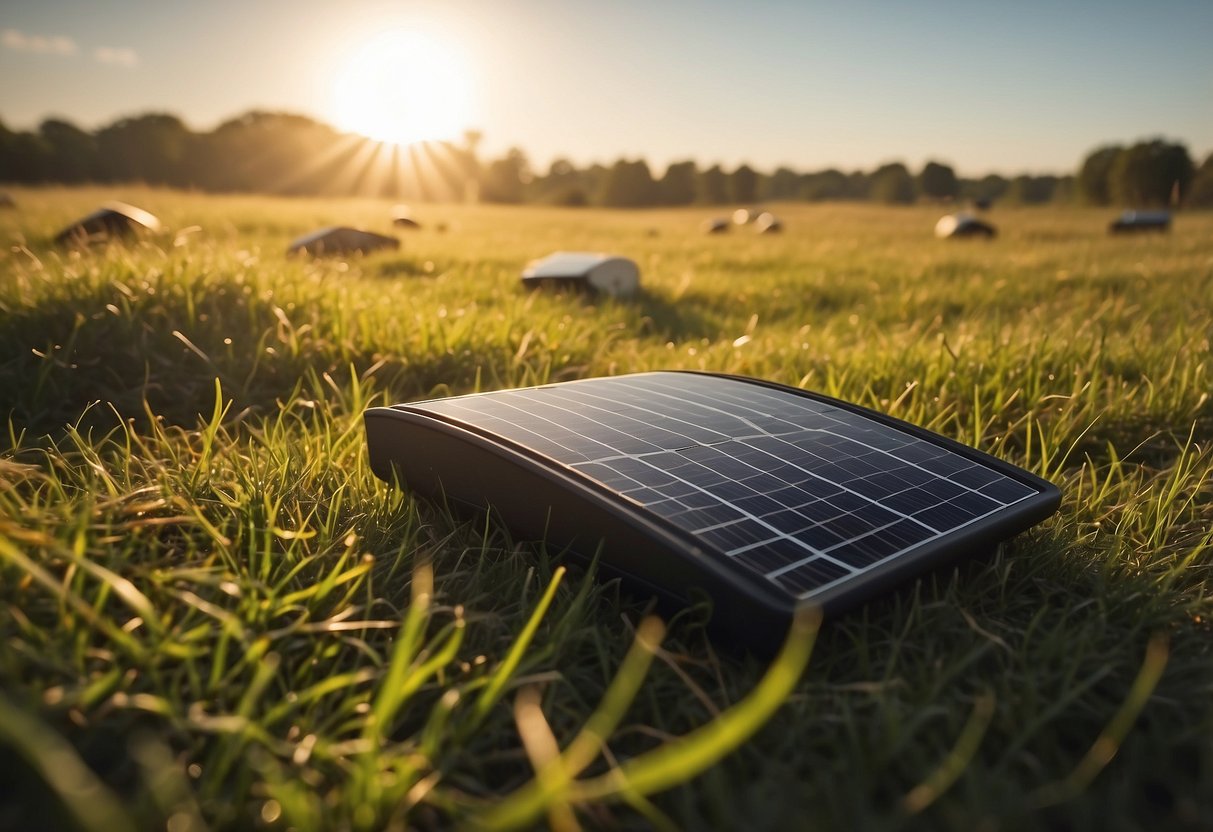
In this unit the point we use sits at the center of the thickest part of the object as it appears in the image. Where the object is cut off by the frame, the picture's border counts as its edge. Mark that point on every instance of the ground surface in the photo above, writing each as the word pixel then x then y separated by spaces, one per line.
pixel 201 605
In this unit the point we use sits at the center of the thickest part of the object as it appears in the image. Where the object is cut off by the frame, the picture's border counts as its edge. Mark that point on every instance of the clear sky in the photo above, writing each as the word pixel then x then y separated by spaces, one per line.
pixel 1009 86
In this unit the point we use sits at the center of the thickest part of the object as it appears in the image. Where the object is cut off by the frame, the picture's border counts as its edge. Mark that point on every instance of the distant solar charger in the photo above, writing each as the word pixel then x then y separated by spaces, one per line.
pixel 764 497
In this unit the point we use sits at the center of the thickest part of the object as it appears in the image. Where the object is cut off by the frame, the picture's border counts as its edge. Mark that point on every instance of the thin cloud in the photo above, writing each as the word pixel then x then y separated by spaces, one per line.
pixel 116 56
pixel 38 44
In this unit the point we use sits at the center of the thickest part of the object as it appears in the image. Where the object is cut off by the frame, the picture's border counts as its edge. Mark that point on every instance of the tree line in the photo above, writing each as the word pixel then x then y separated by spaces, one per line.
pixel 257 152
pixel 268 152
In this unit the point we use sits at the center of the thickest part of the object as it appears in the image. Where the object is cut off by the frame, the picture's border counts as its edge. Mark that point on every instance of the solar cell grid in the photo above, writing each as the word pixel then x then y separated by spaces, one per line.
pixel 800 491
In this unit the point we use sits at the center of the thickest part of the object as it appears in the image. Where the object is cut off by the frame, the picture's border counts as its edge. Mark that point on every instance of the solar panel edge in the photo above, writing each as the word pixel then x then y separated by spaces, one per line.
pixel 444 399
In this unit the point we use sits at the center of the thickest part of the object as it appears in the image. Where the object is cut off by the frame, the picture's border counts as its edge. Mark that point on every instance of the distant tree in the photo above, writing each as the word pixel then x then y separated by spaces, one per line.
pixel 1092 182
pixel 714 186
pixel 562 185
pixel 1031 190
pixel 150 148
pixel 743 185
pixel 1064 190
pixel 561 170
pixel 593 178
pixel 784 183
pixel 1153 173
pixel 570 197
pixel 270 152
pixel 467 158
pixel 629 185
pixel 826 185
pixel 24 157
pixel 1200 192
pixel 73 151
pixel 471 143
pixel 678 185
pixel 562 176
pixel 504 179
pixel 7 140
pixel 859 185
pixel 989 188
pixel 938 181
pixel 892 184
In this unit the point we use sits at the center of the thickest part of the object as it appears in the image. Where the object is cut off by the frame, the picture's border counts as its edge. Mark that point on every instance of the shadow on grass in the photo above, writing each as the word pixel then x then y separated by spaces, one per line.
pixel 648 313
pixel 68 360
pixel 670 319
pixel 1055 631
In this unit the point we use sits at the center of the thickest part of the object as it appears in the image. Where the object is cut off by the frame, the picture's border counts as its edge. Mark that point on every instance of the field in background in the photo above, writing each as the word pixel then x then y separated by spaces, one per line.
pixel 205 599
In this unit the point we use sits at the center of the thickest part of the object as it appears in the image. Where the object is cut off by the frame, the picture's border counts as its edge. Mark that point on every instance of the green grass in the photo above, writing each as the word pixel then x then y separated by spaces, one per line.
pixel 212 614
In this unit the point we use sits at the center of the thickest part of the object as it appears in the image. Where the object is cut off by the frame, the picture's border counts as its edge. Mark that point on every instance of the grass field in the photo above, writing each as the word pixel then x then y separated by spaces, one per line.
pixel 213 615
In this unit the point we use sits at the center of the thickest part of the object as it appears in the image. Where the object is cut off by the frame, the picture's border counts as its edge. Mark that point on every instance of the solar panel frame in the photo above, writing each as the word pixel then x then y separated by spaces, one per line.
pixel 442 456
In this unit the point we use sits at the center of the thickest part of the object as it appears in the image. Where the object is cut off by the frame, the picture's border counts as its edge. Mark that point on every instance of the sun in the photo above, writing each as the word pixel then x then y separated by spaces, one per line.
pixel 402 86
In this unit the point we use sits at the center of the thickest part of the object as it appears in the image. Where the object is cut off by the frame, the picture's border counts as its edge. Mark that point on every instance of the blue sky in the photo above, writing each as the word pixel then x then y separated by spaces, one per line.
pixel 1028 86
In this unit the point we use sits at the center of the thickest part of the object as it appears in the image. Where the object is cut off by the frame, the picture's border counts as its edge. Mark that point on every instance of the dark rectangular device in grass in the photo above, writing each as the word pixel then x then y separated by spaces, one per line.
pixel 763 496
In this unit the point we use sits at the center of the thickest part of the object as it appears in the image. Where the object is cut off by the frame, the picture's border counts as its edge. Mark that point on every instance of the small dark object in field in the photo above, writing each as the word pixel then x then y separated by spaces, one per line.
pixel 340 239
pixel 584 270
pixel 441 228
pixel 1136 222
pixel 113 219
pixel 982 204
pixel 7 201
pixel 956 226
pixel 402 217
pixel 716 226
pixel 768 223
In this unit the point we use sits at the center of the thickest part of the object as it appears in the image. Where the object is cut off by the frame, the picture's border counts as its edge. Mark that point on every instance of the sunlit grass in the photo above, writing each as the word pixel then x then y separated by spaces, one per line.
pixel 211 611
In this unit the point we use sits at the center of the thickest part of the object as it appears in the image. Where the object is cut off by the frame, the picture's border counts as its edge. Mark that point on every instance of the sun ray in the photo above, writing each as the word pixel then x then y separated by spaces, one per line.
pixel 346 177
pixel 451 168
pixel 378 171
pixel 397 173
pixel 331 155
pixel 365 173
pixel 417 160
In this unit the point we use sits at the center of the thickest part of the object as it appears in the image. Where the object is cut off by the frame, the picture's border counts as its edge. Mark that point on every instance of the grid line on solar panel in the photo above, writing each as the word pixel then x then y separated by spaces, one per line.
pixel 804 493
pixel 717 511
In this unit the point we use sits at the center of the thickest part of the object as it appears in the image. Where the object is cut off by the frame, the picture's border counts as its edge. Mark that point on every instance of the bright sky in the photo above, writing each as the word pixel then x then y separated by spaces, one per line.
pixel 1006 86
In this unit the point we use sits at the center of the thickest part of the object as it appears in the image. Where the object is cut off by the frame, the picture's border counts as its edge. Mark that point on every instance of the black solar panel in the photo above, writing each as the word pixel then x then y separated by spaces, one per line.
pixel 741 479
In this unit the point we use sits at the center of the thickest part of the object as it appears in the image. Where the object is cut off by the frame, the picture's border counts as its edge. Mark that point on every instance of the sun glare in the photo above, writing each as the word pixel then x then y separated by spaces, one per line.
pixel 402 86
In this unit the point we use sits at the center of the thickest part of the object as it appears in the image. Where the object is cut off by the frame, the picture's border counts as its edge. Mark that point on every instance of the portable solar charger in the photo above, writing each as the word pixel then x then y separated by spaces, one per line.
pixel 762 496
pixel 584 270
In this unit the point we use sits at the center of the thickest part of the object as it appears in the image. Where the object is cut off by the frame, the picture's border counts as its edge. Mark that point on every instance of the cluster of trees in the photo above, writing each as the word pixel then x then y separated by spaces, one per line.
pixel 1153 173
pixel 1147 174
pixel 258 152
pixel 631 183
pixel 268 152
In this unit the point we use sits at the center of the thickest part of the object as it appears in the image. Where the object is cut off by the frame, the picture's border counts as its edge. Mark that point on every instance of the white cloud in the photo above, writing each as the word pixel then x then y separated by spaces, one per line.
pixel 20 41
pixel 39 44
pixel 116 56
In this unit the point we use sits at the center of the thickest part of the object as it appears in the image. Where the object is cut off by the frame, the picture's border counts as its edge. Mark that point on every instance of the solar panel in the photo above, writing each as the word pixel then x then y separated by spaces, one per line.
pixel 764 496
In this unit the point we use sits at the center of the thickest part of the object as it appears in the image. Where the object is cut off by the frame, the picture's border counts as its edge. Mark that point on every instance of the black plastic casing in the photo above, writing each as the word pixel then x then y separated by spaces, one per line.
pixel 542 499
